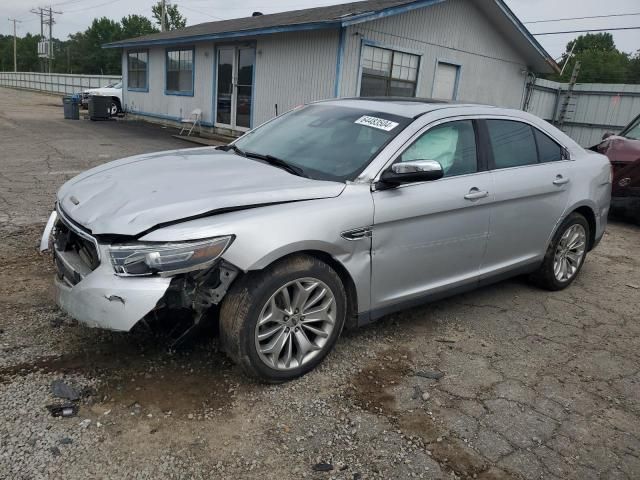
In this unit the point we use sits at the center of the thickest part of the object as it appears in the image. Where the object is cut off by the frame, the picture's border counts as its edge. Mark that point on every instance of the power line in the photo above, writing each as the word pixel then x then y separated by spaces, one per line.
pixel 92 6
pixel 589 30
pixel 200 12
pixel 583 18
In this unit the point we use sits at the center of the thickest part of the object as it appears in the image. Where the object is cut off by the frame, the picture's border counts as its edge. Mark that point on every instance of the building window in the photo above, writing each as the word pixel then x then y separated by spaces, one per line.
pixel 388 73
pixel 445 83
pixel 180 72
pixel 137 63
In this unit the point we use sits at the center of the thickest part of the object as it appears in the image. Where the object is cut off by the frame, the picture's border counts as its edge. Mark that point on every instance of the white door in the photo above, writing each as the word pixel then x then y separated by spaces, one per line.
pixel 445 82
pixel 234 87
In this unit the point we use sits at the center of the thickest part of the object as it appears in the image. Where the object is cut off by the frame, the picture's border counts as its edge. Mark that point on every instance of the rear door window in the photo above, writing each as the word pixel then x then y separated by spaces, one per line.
pixel 548 150
pixel 513 144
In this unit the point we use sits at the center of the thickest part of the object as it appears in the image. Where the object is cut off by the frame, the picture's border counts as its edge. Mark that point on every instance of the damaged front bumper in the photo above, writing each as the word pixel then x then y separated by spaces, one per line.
pixel 96 296
pixel 104 300
pixel 87 288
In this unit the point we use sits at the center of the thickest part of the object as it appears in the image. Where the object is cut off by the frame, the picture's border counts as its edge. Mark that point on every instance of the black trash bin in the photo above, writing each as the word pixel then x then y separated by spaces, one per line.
pixel 99 107
pixel 71 107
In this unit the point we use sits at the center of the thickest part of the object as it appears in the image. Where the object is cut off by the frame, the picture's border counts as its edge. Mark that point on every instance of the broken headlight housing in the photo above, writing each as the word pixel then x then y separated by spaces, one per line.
pixel 138 259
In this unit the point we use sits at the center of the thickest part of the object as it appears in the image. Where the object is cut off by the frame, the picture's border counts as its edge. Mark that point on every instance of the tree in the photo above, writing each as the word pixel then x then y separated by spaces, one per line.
pixel 27 53
pixel 173 19
pixel 86 52
pixel 633 75
pixel 136 26
pixel 600 60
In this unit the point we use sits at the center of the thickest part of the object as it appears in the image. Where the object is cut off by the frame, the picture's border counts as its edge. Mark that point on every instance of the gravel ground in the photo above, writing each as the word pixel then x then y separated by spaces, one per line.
pixel 505 382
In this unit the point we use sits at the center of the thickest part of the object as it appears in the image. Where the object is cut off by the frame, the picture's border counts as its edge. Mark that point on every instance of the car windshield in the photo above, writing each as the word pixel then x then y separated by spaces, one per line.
pixel 326 142
pixel 632 131
pixel 114 85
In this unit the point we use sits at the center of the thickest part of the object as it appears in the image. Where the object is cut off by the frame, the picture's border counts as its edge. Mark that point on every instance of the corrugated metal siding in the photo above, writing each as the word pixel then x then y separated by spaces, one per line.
pixel 455 31
pixel 293 68
pixel 174 106
pixel 595 108
pixel 544 100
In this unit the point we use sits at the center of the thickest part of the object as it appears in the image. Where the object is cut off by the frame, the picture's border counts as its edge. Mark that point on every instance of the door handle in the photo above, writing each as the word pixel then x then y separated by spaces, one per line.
pixel 475 194
pixel 560 180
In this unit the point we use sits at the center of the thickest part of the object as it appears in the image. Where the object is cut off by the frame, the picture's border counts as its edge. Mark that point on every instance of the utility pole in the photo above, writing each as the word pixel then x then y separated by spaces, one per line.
pixel 50 38
pixel 45 49
pixel 41 37
pixel 15 48
pixel 163 20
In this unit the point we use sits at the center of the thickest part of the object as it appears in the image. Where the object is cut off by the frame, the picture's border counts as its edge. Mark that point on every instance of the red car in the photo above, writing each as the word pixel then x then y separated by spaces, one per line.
pixel 623 151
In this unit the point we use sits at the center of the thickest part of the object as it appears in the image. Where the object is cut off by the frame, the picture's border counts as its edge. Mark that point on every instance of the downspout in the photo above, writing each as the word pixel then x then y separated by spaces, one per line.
pixel 529 86
pixel 339 61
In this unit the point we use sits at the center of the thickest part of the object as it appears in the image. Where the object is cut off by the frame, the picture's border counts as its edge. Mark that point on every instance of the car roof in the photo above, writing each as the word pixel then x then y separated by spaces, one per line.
pixel 402 106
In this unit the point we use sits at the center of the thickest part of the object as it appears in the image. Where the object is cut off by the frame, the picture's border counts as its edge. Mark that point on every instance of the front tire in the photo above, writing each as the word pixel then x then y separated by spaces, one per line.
pixel 565 255
pixel 114 108
pixel 280 323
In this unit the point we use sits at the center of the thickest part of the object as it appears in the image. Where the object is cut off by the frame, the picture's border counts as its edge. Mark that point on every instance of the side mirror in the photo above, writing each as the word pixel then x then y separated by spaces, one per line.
pixel 607 135
pixel 412 172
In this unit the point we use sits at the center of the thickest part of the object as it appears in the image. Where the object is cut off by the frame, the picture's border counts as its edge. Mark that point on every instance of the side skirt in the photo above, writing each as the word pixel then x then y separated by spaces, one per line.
pixel 368 317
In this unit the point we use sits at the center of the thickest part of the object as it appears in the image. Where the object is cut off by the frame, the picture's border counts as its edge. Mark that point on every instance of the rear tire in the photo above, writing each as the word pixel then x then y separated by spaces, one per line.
pixel 565 255
pixel 280 323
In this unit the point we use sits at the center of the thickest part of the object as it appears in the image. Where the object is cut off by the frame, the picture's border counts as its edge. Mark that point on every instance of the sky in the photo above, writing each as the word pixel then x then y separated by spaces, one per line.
pixel 78 14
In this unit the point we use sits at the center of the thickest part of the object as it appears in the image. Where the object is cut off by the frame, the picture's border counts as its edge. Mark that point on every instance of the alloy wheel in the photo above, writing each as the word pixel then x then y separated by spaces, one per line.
pixel 569 253
pixel 295 324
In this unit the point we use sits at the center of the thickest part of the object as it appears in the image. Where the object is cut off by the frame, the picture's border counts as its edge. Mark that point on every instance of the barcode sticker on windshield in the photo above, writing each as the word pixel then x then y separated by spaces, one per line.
pixel 375 122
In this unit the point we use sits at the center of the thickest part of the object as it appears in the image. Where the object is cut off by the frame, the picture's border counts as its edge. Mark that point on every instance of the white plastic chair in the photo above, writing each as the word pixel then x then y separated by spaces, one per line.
pixel 194 119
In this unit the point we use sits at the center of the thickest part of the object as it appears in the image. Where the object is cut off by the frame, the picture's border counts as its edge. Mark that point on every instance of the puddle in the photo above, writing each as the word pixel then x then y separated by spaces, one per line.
pixel 373 390
pixel 372 383
pixel 154 377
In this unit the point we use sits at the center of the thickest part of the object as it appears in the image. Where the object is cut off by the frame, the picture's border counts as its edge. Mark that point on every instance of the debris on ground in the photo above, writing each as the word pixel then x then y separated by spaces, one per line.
pixel 633 285
pixel 62 390
pixel 434 375
pixel 322 467
pixel 63 410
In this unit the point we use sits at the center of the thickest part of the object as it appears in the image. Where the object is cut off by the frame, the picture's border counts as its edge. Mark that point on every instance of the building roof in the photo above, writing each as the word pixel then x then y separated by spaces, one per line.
pixel 337 16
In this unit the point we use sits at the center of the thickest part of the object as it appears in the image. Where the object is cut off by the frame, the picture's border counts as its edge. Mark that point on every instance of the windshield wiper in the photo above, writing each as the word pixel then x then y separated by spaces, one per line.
pixel 278 162
pixel 226 148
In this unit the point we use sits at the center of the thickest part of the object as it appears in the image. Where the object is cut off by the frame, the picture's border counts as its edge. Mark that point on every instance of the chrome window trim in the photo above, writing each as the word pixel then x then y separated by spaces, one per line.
pixel 405 139
pixel 532 125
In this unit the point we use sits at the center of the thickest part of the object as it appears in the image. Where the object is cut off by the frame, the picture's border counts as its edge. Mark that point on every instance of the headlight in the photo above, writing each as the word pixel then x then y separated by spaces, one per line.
pixel 167 258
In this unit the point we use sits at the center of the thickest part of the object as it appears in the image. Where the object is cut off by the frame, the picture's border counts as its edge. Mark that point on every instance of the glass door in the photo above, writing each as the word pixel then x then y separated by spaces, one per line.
pixel 224 92
pixel 234 94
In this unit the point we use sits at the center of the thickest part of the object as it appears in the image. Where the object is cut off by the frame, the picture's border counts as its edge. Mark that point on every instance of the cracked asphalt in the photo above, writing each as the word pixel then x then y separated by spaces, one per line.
pixel 506 382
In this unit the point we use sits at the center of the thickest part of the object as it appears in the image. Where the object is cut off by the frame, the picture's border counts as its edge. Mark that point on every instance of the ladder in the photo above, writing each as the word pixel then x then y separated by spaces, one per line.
pixel 564 109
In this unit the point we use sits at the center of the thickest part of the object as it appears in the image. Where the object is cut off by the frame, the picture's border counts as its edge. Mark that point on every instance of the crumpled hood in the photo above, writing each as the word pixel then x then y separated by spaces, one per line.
pixel 620 149
pixel 135 194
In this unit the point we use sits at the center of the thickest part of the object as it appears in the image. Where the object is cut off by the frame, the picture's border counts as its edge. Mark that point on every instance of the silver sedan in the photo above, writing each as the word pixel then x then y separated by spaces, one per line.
pixel 329 216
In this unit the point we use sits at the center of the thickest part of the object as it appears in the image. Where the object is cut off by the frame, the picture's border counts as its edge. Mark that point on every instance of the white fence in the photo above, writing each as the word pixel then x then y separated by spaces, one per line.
pixel 56 83
pixel 594 109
